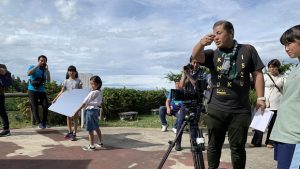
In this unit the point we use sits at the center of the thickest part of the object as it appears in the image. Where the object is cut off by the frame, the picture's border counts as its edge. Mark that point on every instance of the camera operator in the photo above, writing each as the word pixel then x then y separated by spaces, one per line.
pixel 191 73
pixel 229 108
pixel 36 89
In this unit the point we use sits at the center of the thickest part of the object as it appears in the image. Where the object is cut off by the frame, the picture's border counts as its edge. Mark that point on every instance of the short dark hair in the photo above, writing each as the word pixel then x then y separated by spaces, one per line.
pixel 72 68
pixel 97 79
pixel 226 25
pixel 291 35
pixel 42 56
pixel 274 63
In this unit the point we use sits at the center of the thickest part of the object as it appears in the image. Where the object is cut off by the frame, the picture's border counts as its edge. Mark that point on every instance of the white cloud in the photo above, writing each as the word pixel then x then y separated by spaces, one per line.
pixel 43 20
pixel 128 39
pixel 67 8
pixel 12 39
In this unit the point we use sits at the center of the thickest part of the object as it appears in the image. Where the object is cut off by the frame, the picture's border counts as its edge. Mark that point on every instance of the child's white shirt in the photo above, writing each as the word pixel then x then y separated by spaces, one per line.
pixel 93 100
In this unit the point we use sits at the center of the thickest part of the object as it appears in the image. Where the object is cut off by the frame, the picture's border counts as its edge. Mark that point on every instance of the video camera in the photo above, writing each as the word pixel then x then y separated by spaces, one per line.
pixel 188 67
pixel 189 96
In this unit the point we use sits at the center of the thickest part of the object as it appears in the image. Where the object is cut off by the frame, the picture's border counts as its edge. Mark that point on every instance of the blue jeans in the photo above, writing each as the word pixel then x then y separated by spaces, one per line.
pixel 163 113
pixel 181 119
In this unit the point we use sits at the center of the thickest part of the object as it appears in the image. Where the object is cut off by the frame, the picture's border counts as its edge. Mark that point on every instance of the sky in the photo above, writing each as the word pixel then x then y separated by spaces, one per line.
pixel 133 43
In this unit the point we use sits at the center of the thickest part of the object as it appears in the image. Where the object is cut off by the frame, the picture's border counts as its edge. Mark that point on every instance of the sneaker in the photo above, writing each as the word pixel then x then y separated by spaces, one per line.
pixel 68 135
pixel 89 148
pixel 164 128
pixel 253 145
pixel 174 130
pixel 178 147
pixel 5 133
pixel 99 144
pixel 41 126
pixel 73 137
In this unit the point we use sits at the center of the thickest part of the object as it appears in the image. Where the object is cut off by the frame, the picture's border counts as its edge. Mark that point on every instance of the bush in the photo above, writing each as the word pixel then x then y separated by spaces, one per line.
pixel 122 100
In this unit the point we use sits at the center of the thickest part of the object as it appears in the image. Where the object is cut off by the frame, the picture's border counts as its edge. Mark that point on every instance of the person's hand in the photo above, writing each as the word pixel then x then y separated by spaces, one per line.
pixel 261 104
pixel 207 39
pixel 46 66
pixel 168 111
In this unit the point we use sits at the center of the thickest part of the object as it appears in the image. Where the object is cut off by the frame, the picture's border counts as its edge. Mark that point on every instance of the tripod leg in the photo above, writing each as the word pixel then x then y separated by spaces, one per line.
pixel 171 145
pixel 197 145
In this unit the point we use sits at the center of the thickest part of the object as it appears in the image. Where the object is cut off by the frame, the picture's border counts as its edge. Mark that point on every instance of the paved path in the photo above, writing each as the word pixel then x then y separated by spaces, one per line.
pixel 124 148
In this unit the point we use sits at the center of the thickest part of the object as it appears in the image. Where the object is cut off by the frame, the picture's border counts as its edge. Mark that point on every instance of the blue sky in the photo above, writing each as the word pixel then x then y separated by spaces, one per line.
pixel 132 43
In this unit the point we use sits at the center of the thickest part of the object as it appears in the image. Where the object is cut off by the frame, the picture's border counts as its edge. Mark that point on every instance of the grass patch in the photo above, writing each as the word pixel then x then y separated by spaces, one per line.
pixel 18 120
pixel 143 121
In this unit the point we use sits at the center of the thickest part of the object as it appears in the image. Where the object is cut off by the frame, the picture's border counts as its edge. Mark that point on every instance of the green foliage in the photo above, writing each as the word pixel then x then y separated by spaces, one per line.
pixel 285 67
pixel 252 97
pixel 17 85
pixel 122 100
pixel 143 121
pixel 173 77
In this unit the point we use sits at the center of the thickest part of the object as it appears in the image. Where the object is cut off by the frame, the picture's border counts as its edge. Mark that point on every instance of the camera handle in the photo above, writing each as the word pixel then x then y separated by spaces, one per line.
pixel 197 145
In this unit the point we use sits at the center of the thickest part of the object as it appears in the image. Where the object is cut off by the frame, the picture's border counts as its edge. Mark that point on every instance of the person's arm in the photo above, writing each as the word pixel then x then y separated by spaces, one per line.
pixel 61 91
pixel 32 71
pixel 182 80
pixel 168 101
pixel 191 79
pixel 81 106
pixel 259 83
pixel 48 77
pixel 198 50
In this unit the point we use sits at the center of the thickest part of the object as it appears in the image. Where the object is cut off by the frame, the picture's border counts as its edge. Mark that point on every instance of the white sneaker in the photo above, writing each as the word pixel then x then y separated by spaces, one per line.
pixel 174 130
pixel 99 144
pixel 89 148
pixel 164 128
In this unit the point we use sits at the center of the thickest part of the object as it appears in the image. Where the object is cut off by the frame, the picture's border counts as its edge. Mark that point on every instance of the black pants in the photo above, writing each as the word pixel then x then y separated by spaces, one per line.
pixel 218 123
pixel 3 113
pixel 35 98
pixel 258 135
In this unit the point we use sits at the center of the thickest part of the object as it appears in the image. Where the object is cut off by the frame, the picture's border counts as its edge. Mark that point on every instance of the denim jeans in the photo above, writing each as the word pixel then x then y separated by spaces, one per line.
pixel 194 123
pixel 34 97
pixel 3 113
pixel 163 113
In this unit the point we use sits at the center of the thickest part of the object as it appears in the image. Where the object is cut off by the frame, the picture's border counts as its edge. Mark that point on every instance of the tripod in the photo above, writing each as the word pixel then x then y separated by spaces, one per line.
pixel 196 140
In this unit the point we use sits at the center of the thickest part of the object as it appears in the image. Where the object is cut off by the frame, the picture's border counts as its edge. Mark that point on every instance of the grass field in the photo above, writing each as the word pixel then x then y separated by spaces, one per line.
pixel 17 120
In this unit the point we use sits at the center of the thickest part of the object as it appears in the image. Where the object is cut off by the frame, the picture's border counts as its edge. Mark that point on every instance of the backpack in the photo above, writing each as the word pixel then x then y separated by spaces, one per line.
pixel 6 80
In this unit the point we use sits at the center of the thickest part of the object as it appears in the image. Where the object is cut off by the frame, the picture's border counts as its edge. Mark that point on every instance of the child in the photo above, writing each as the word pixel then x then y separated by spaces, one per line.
pixel 91 103
pixel 71 82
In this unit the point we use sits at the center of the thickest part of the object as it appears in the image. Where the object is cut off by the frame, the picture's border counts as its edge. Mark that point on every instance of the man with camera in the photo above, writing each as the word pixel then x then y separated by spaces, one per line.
pixel 5 81
pixel 38 75
pixel 191 75
pixel 230 65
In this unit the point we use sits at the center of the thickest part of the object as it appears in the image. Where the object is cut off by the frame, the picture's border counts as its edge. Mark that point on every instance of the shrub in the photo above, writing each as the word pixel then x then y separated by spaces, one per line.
pixel 122 99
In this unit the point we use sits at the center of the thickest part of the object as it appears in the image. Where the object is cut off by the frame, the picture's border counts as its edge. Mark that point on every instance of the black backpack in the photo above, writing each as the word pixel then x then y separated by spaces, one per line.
pixel 5 80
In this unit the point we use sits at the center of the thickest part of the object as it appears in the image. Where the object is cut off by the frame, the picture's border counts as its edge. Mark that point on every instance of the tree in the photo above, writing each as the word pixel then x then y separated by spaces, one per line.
pixel 173 77
pixel 285 67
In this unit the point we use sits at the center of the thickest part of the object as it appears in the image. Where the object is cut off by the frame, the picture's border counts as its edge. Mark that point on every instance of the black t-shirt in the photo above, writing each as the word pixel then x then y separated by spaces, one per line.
pixel 232 95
